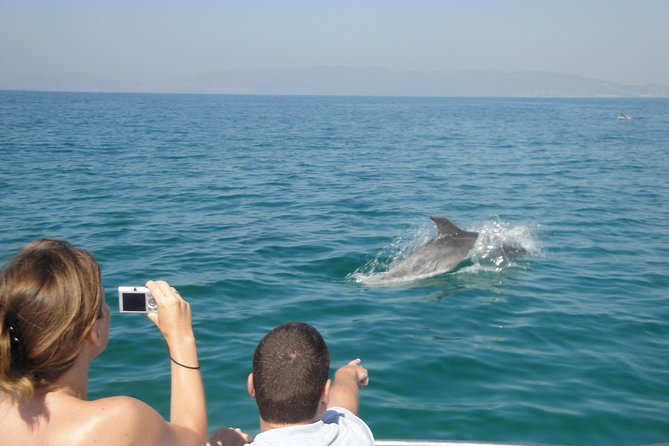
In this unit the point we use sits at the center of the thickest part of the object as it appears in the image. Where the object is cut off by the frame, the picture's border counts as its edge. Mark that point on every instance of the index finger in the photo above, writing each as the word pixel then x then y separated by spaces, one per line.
pixel 162 291
pixel 361 372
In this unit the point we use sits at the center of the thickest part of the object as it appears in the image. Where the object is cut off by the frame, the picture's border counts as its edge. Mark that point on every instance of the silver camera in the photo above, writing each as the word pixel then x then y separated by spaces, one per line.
pixel 135 299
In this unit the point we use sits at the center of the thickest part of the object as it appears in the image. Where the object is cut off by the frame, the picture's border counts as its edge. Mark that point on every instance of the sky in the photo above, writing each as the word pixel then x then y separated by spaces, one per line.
pixel 43 42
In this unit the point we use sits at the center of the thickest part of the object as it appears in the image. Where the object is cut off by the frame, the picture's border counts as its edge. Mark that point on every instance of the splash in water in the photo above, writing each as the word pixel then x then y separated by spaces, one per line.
pixel 499 243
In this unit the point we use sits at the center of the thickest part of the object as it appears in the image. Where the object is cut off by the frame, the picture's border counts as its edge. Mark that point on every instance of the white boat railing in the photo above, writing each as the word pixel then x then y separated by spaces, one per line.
pixel 447 443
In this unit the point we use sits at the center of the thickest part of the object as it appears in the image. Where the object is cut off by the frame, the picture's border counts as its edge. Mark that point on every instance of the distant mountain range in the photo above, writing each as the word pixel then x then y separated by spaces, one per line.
pixel 373 81
pixel 382 82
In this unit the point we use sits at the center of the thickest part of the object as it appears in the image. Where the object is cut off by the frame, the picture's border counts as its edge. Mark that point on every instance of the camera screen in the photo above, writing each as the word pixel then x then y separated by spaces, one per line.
pixel 134 301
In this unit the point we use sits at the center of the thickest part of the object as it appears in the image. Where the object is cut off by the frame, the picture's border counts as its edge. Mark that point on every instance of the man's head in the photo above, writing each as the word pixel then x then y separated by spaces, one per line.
pixel 290 372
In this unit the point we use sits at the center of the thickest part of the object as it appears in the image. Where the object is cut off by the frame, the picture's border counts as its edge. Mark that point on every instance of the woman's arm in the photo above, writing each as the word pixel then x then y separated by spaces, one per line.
pixel 188 412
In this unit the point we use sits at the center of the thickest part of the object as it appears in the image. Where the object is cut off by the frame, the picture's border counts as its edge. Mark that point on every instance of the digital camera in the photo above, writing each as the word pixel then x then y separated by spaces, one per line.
pixel 135 299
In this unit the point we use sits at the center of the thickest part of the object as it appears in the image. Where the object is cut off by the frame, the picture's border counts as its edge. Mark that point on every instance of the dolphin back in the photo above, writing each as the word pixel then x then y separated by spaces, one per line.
pixel 442 253
pixel 447 227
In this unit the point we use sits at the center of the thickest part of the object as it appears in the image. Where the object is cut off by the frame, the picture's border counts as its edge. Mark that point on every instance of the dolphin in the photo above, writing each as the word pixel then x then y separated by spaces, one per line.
pixel 442 253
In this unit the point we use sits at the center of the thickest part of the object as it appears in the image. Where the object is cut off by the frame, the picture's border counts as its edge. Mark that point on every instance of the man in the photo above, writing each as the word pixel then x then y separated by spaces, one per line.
pixel 298 404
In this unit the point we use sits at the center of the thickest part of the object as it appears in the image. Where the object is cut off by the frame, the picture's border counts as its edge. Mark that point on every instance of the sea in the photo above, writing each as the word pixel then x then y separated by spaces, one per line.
pixel 267 209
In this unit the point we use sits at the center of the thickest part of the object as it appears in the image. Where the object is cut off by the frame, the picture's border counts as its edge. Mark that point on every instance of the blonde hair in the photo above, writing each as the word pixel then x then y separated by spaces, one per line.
pixel 50 297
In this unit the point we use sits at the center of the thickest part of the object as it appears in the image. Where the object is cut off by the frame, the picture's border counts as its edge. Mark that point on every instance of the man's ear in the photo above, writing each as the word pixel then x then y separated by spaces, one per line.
pixel 325 397
pixel 249 385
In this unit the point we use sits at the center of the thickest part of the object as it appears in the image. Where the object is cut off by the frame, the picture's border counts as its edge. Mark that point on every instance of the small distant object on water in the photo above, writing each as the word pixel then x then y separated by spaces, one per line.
pixel 623 117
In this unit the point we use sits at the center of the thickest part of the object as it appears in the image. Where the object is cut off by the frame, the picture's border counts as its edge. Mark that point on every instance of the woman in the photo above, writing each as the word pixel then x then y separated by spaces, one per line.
pixel 53 322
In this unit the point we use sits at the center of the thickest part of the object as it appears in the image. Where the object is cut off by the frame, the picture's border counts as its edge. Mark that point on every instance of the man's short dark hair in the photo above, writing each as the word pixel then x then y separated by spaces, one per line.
pixel 290 368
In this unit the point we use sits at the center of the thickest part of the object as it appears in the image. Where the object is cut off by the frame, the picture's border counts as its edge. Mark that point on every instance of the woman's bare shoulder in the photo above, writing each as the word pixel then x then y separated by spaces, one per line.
pixel 119 420
pixel 121 403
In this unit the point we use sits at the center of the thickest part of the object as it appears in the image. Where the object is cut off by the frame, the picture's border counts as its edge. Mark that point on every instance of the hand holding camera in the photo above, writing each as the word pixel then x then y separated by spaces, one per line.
pixel 172 315
pixel 135 299
pixel 166 308
pixel 162 304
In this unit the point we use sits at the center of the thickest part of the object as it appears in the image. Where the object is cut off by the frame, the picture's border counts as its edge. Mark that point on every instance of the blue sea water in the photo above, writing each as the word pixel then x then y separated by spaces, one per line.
pixel 266 209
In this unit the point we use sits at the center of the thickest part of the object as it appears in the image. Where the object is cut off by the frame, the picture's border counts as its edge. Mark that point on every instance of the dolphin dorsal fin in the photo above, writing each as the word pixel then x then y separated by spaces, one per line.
pixel 447 227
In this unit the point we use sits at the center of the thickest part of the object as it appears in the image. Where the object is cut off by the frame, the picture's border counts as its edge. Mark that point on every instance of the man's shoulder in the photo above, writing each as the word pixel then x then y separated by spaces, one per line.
pixel 352 428
pixel 338 427
pixel 335 414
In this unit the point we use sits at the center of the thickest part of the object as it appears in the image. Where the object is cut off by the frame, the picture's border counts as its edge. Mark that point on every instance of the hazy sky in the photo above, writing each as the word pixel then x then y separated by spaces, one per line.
pixel 140 40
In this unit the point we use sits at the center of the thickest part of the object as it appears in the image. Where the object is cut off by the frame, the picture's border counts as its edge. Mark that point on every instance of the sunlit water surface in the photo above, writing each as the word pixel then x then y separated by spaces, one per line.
pixel 268 209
